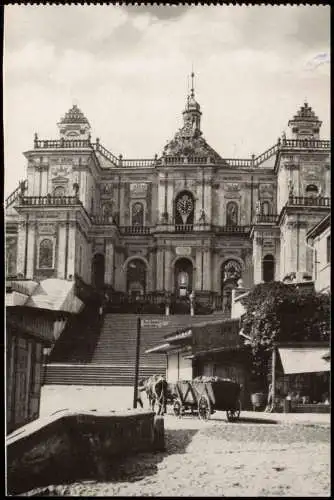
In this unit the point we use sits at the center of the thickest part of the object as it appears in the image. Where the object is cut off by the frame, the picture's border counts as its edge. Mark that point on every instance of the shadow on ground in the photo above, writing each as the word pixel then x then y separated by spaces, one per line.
pixel 126 469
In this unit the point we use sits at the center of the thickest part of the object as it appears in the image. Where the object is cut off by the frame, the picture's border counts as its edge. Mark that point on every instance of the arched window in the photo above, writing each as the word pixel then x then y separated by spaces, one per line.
pixel 45 254
pixel 311 190
pixel 184 208
pixel 265 208
pixel 136 277
pixel 59 191
pixel 232 214
pixel 98 267
pixel 268 268
pixel 137 214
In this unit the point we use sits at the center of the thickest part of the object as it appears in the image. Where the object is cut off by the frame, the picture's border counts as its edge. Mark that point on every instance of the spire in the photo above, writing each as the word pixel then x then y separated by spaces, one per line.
pixel 192 92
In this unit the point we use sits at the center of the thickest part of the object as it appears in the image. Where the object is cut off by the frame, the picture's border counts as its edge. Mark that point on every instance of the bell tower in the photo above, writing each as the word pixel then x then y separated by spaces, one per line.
pixel 74 125
pixel 305 124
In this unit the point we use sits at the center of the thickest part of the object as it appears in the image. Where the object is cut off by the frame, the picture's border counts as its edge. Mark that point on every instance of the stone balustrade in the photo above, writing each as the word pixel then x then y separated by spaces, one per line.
pixel 50 200
pixel 61 144
pixel 266 219
pixel 309 201
pixel 305 143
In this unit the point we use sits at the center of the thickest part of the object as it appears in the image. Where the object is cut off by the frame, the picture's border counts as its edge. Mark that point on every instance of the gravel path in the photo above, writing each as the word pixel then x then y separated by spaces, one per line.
pixel 217 458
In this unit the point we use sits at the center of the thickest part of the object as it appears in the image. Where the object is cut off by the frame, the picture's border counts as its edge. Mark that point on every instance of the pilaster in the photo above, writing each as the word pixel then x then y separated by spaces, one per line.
pixel 21 248
pixel 31 250
pixel 109 263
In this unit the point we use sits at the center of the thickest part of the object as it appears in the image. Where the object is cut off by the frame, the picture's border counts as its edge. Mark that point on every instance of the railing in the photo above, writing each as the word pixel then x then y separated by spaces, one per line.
pixel 231 229
pixel 184 228
pixel 103 220
pixel 305 143
pixel 12 197
pixel 312 201
pixel 148 162
pixel 50 200
pixel 266 219
pixel 61 144
pixel 239 162
pixel 264 156
pixel 135 229
pixel 105 152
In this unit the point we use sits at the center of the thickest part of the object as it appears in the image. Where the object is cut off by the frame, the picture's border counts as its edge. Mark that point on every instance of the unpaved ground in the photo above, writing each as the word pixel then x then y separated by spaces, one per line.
pixel 217 458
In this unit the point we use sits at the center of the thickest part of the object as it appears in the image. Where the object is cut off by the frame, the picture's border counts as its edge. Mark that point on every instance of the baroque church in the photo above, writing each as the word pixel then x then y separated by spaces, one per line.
pixel 188 221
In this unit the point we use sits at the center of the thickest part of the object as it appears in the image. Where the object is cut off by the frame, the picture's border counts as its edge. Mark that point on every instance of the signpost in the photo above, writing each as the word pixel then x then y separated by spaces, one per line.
pixel 153 323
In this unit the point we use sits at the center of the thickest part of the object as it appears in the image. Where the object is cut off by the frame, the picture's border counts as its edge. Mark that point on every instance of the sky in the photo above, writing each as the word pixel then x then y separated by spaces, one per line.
pixel 127 68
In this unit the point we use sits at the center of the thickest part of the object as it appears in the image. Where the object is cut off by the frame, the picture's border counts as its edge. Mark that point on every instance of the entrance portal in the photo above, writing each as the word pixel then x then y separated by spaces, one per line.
pixel 136 277
pixel 230 275
pixel 98 271
pixel 183 277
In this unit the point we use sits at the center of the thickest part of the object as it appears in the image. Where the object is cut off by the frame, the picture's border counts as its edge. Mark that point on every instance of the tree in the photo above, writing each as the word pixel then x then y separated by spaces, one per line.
pixel 279 312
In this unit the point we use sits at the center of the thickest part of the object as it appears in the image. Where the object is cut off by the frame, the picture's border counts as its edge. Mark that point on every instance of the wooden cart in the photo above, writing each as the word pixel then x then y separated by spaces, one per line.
pixel 204 398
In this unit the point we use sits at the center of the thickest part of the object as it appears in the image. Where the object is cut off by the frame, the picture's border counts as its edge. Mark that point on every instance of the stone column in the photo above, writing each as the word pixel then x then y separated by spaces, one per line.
pixel 161 196
pixel 160 269
pixel 327 188
pixel 71 251
pixel 120 272
pixel 21 248
pixel 31 250
pixel 168 270
pixel 302 249
pixel 257 258
pixel 208 200
pixel 199 196
pixel 170 200
pixel 109 263
pixel 122 206
pixel 207 272
pixel 61 250
pixel 290 248
pixel 198 271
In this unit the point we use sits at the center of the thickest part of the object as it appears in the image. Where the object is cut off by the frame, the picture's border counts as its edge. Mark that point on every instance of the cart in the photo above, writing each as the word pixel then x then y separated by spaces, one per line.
pixel 204 398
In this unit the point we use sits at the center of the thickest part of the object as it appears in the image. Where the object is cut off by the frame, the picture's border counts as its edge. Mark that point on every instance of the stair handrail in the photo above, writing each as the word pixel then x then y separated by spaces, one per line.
pixel 267 154
pixel 15 194
pixel 97 146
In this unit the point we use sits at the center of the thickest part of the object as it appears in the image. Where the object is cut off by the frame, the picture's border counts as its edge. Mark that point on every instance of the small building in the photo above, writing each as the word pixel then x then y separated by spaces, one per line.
pixel 302 376
pixel 212 348
pixel 36 315
pixel 319 238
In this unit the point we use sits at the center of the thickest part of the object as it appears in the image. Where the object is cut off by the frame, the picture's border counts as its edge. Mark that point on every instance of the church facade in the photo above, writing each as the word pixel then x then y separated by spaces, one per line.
pixel 187 220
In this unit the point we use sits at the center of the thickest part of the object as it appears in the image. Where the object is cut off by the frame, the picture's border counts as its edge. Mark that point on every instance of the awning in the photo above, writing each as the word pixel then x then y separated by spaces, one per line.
pixel 304 359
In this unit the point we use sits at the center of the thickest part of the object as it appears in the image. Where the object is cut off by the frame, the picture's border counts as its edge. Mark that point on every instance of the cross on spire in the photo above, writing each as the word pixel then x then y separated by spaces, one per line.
pixel 192 82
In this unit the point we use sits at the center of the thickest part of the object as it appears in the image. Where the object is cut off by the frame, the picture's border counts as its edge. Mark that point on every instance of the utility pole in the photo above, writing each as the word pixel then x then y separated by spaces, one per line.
pixel 135 389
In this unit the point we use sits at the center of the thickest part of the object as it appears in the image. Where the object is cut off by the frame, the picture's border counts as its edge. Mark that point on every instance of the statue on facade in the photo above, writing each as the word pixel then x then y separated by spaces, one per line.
pixel 76 189
pixel 258 207
pixel 232 215
pixel 202 216
pixel 290 187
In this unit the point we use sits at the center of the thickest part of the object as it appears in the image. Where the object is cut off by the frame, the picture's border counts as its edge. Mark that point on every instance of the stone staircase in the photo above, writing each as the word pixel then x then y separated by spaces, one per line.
pixel 113 359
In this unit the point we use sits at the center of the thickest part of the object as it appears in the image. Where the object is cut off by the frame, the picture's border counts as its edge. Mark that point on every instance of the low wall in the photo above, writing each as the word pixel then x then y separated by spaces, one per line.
pixel 71 446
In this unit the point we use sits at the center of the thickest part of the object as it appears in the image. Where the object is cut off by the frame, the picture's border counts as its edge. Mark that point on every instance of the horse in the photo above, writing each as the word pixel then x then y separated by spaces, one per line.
pixel 156 391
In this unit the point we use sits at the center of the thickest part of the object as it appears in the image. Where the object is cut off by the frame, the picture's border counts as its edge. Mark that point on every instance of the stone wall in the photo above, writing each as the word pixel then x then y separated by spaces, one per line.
pixel 70 446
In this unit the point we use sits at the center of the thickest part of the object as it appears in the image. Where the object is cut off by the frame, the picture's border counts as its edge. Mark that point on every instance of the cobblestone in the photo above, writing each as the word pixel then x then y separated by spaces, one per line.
pixel 217 458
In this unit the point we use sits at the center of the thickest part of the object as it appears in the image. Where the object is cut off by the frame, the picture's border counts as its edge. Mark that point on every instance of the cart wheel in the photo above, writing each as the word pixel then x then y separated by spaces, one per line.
pixel 233 415
pixel 177 408
pixel 204 408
